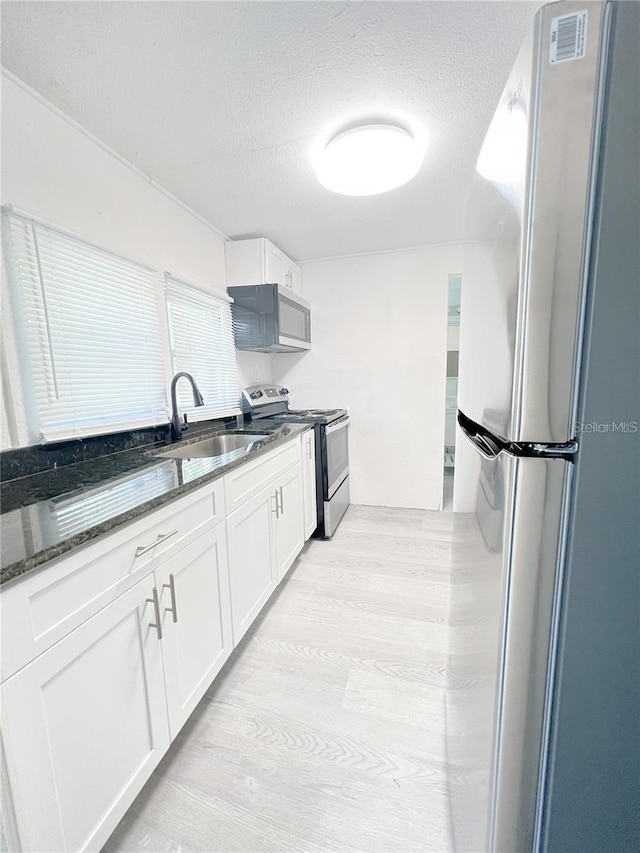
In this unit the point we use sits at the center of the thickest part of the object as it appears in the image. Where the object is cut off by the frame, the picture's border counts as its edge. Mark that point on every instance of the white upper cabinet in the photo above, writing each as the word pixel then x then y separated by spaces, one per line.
pixel 293 273
pixel 275 264
pixel 258 261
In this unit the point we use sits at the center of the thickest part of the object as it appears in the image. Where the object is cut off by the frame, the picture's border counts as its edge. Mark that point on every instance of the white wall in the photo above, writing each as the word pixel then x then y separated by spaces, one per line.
pixel 379 331
pixel 56 171
pixel 253 367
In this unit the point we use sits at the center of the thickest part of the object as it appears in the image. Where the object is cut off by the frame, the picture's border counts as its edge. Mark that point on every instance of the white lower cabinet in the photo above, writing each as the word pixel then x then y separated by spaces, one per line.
pixel 289 522
pixel 132 646
pixel 84 725
pixel 309 483
pixel 264 537
pixel 193 590
pixel 252 560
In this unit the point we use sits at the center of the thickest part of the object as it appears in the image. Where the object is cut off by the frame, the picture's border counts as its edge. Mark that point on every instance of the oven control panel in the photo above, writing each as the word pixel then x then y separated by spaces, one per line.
pixel 256 396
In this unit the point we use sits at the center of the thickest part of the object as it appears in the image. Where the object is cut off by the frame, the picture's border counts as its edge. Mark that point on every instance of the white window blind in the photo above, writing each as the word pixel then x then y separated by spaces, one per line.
pixel 93 334
pixel 202 344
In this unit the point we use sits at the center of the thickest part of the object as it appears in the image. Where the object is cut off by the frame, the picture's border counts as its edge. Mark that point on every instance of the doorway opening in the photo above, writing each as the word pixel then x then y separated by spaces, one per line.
pixel 451 405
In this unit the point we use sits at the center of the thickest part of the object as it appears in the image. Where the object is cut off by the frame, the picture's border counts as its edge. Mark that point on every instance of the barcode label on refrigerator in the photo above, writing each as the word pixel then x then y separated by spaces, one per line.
pixel 568 37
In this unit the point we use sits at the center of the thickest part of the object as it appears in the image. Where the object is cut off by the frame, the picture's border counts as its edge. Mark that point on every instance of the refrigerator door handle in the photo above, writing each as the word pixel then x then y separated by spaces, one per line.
pixel 490 446
pixel 484 443
pixel 486 446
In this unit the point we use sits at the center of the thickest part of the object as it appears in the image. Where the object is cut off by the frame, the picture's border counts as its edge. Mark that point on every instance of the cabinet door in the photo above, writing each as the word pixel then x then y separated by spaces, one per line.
pixel 288 276
pixel 84 725
pixel 274 264
pixel 309 483
pixel 43 607
pixel 293 278
pixel 252 559
pixel 244 261
pixel 290 522
pixel 196 621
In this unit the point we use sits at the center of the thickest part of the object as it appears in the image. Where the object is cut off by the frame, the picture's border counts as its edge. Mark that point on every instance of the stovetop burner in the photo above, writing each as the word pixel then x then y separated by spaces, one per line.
pixel 316 416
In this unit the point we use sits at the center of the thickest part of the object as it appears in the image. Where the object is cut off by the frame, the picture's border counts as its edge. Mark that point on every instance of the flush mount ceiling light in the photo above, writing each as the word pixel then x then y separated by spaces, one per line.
pixel 368 160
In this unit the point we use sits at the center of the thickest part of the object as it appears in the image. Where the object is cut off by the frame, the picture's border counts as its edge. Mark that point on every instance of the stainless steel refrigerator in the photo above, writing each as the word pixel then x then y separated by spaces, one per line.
pixel 547 457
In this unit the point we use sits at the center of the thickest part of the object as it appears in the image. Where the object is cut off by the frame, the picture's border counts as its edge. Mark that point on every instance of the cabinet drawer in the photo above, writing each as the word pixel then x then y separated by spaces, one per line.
pixel 46 605
pixel 246 482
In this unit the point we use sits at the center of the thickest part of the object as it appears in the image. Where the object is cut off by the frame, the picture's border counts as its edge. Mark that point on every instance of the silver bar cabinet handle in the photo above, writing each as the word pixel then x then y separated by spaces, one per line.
pixel 281 501
pixel 142 549
pixel 171 586
pixel 156 607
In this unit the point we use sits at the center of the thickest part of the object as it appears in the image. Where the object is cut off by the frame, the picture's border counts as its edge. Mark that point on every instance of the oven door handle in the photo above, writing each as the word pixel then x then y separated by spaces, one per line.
pixel 339 425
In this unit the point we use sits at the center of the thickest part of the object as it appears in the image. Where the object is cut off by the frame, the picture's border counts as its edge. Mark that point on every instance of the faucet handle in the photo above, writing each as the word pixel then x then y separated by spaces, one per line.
pixel 185 424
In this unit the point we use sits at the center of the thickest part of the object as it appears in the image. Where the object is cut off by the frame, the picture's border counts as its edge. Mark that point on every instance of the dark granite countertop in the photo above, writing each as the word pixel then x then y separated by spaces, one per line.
pixel 47 514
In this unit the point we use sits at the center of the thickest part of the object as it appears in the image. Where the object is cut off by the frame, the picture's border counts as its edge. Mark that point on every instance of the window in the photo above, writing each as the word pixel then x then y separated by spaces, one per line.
pixel 90 333
pixel 201 337
pixel 98 337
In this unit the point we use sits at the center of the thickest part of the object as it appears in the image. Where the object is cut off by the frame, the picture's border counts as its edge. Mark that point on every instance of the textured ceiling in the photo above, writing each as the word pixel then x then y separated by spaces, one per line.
pixel 222 102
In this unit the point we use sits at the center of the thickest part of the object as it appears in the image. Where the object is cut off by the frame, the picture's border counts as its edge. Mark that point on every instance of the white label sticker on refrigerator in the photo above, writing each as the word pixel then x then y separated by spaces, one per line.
pixel 568 37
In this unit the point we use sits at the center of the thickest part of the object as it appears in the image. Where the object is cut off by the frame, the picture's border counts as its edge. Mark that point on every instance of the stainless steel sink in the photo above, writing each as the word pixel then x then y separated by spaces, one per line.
pixel 218 445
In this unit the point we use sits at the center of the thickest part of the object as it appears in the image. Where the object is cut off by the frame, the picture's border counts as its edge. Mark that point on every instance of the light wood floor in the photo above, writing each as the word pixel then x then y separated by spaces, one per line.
pixel 337 725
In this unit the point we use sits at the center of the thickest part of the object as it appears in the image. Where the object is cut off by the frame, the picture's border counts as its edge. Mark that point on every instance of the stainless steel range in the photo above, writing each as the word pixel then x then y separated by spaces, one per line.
pixel 331 427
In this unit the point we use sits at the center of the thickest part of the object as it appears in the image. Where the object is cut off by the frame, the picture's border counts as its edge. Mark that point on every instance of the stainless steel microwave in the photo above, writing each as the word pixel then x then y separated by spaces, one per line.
pixel 270 318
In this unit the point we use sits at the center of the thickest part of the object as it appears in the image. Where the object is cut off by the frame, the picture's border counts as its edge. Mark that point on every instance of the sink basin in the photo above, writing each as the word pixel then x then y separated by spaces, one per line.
pixel 218 445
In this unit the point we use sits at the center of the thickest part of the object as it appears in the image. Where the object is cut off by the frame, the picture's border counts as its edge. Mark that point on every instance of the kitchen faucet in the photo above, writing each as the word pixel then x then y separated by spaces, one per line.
pixel 177 428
